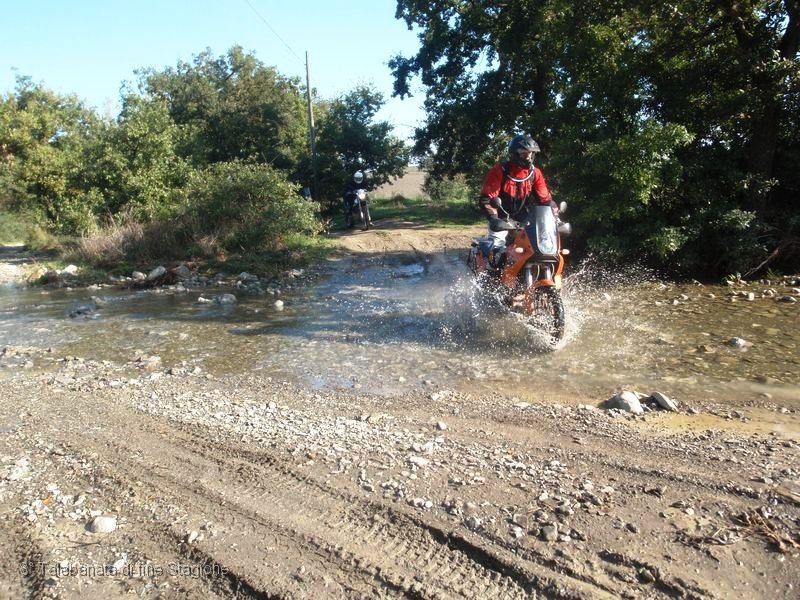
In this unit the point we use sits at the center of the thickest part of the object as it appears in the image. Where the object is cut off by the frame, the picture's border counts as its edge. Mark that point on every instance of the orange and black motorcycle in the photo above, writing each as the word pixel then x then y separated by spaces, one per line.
pixel 524 271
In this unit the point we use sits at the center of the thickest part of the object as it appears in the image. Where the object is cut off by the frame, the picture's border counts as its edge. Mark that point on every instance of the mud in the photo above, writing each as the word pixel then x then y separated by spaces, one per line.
pixel 246 485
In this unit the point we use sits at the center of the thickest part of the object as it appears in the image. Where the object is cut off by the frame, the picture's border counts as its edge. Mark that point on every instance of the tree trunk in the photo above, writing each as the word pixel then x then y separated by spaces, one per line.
pixel 766 126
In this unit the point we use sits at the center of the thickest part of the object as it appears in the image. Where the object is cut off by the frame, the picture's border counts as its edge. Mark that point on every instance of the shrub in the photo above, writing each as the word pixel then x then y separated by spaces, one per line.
pixel 245 207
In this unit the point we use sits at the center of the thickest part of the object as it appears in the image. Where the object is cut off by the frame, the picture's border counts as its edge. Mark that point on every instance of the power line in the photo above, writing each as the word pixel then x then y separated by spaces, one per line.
pixel 275 33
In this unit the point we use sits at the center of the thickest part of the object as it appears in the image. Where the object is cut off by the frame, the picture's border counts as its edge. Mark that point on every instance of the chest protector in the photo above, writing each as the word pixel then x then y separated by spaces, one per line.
pixel 515 192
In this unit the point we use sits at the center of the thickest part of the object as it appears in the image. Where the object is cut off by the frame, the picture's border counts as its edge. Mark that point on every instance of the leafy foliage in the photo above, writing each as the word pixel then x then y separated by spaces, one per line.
pixel 42 136
pixel 671 128
pixel 232 107
pixel 245 207
pixel 350 140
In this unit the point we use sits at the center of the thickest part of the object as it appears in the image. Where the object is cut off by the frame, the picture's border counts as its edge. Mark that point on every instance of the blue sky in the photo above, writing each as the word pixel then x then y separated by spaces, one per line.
pixel 89 47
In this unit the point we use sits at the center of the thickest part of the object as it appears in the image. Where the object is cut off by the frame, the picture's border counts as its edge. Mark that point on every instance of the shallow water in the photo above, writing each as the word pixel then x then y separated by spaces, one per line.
pixel 382 326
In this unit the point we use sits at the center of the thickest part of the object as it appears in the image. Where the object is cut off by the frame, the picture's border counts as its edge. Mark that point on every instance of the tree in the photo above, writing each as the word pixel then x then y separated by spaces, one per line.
pixel 232 107
pixel 42 137
pixel 133 162
pixel 645 113
pixel 349 139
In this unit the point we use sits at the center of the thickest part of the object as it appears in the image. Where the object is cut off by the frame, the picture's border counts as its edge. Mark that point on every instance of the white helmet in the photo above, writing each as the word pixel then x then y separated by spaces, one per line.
pixel 358 177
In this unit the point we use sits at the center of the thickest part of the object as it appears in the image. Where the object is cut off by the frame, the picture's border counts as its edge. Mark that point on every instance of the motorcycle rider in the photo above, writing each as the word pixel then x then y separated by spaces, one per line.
pixel 357 182
pixel 517 183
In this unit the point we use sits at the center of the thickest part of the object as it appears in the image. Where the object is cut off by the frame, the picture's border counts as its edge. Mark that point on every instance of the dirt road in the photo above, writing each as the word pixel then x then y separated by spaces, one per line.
pixel 167 483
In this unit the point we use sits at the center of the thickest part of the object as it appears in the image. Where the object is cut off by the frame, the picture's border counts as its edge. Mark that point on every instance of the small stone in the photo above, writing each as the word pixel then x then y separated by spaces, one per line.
pixel 473 523
pixel 646 576
pixel 118 565
pixel 737 342
pixel 102 524
pixel 549 533
pixel 441 426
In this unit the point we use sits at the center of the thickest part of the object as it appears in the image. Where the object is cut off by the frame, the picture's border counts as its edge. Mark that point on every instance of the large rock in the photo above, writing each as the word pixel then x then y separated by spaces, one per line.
pixel 156 273
pixel 664 401
pixel 626 401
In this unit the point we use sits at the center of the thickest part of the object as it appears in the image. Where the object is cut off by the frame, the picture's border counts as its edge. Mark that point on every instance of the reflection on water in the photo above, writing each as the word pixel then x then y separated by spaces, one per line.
pixel 378 327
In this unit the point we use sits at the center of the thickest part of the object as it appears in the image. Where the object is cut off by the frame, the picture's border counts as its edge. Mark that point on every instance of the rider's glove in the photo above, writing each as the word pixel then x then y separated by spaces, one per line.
pixel 496 224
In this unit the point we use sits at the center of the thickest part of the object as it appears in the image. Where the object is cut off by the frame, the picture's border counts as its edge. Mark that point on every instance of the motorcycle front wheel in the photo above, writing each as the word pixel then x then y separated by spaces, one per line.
pixel 548 314
pixel 365 220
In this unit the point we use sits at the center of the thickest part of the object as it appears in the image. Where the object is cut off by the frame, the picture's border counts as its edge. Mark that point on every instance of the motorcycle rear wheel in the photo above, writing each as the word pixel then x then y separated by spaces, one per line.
pixel 549 315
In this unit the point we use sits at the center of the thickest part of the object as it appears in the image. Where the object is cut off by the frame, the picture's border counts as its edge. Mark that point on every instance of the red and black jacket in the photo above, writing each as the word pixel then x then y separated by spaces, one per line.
pixel 516 186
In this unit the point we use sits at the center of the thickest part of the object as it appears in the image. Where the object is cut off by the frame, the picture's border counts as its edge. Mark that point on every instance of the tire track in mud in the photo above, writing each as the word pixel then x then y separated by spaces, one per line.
pixel 413 562
pixel 360 543
pixel 298 532
pixel 20 575
pixel 688 466
pixel 535 572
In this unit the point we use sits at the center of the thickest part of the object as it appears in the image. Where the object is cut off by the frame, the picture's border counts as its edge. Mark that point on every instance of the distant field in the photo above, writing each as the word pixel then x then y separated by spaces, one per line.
pixel 409 186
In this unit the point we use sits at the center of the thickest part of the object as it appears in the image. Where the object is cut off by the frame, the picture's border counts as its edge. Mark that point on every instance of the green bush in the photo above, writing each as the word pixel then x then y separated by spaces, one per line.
pixel 449 189
pixel 245 206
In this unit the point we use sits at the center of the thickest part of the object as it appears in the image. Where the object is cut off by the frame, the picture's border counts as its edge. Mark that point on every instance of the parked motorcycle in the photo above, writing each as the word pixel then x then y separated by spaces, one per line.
pixel 357 210
pixel 524 272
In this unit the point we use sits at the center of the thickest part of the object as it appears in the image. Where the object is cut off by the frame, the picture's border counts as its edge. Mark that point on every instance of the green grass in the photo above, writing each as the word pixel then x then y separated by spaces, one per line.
pixel 423 211
pixel 298 253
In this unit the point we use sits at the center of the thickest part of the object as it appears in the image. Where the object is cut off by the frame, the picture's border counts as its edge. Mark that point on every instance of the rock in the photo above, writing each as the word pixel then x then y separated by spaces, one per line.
pixel 787 299
pixel 473 523
pixel 627 401
pixel 83 310
pixel 225 299
pixel 138 276
pixel 246 277
pixel 118 565
pixel 102 524
pixel 278 304
pixel 441 426
pixel 182 273
pixel 737 342
pixel 549 532
pixel 156 273
pixel 664 401
pixel 645 576
pixel 20 469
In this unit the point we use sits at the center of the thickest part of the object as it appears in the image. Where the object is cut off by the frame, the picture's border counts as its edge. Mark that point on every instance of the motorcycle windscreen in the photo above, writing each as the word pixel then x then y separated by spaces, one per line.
pixel 545 229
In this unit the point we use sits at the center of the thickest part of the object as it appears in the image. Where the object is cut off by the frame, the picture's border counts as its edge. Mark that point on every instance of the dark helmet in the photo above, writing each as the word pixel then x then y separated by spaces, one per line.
pixel 525 143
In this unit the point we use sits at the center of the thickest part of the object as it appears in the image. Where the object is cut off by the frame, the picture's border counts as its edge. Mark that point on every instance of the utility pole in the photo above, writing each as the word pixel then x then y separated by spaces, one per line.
pixel 311 133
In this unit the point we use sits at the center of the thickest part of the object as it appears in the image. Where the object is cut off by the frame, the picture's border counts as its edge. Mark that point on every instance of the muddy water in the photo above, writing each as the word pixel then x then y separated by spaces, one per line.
pixel 382 326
